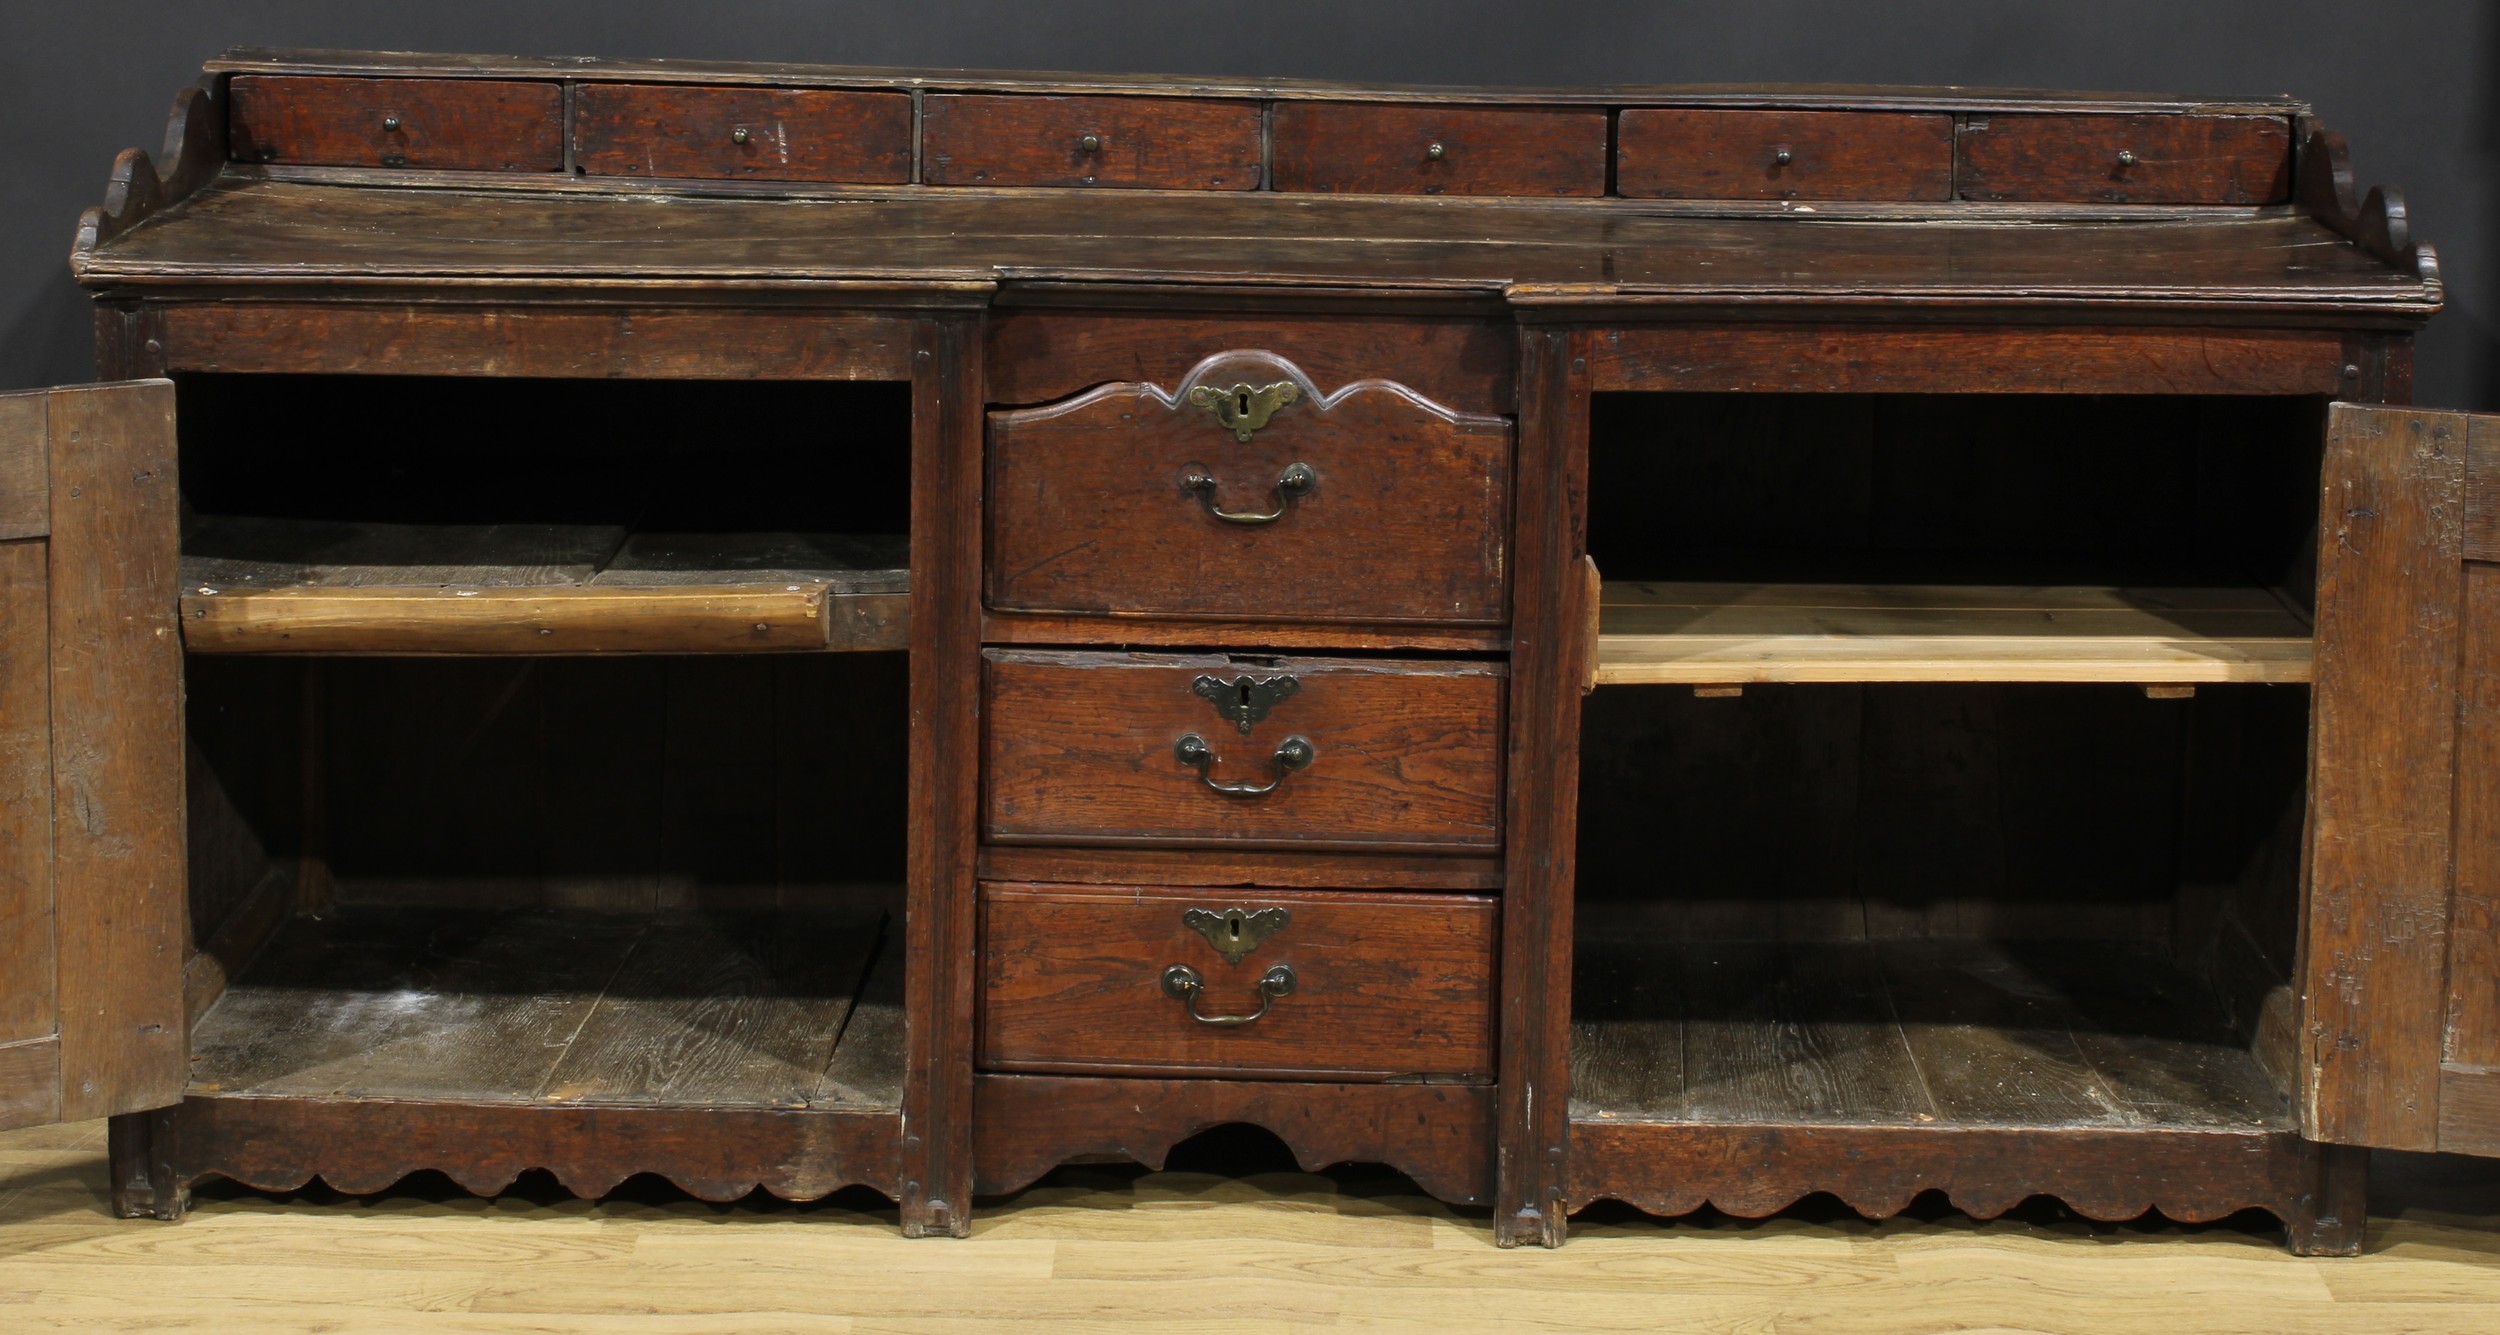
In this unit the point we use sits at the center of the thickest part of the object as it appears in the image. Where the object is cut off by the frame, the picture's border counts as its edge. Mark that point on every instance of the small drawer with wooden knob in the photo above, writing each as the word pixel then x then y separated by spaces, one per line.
pixel 1246 490
pixel 2135 159
pixel 1377 148
pixel 1162 143
pixel 1694 153
pixel 1113 749
pixel 761 134
pixel 1276 984
pixel 500 125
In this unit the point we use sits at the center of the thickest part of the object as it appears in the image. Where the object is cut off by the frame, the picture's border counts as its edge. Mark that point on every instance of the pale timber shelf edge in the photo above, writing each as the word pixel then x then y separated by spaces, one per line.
pixel 1652 633
pixel 293 586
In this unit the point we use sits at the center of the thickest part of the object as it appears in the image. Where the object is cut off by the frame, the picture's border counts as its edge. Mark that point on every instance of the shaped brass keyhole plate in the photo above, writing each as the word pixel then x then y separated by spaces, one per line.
pixel 1245 700
pixel 1245 408
pixel 1235 932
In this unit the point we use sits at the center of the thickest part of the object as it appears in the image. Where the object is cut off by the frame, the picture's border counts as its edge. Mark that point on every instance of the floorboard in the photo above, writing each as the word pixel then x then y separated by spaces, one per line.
pixel 710 1010
pixel 1895 1033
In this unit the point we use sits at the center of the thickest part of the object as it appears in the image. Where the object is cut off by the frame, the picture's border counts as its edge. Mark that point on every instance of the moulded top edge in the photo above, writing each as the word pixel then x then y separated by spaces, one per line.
pixel 257 60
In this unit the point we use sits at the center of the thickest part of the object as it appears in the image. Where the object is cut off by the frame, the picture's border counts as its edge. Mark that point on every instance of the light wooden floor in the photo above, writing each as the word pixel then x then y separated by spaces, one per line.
pixel 1193 1252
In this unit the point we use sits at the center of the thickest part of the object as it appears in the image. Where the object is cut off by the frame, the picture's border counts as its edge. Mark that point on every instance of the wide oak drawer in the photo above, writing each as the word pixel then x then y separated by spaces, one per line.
pixel 763 134
pixel 1683 153
pixel 2149 159
pixel 437 124
pixel 1309 984
pixel 1314 753
pixel 1387 149
pixel 1245 492
pixel 1165 143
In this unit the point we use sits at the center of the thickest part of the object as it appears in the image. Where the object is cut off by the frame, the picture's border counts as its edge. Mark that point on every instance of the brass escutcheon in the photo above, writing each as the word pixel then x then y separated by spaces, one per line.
pixel 1243 409
pixel 1245 700
pixel 1235 932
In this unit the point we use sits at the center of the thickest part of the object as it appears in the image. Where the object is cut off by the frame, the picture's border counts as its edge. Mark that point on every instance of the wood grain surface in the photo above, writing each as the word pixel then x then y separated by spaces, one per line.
pixel 1692 154
pixel 1239 867
pixel 1381 149
pixel 763 134
pixel 540 1008
pixel 1036 356
pixel 1441 1135
pixel 1706 633
pixel 2287 268
pixel 2482 489
pixel 943 836
pixel 1272 1245
pixel 2169 159
pixel 443 124
pixel 312 587
pixel 402 339
pixel 1943 359
pixel 1388 986
pixel 2195 1176
pixel 117 750
pixel 1080 749
pixel 2390 599
pixel 1151 142
pixel 2473 1040
pixel 1413 494
pixel 1541 804
pixel 27 946
pixel 25 461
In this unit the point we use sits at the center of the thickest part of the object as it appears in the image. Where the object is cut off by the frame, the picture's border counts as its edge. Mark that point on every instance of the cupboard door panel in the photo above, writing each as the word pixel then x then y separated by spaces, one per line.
pixel 2383 747
pixel 2469 1093
pixel 91 795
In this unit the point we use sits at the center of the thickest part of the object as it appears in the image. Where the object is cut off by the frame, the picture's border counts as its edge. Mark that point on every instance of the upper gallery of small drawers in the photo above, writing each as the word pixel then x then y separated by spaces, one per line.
pixel 1169 143
pixel 1247 492
pixel 1951 149
pixel 765 134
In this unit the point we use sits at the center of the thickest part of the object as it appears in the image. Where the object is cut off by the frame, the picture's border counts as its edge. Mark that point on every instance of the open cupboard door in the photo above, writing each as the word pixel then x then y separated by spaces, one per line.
pixel 2401 958
pixel 91 789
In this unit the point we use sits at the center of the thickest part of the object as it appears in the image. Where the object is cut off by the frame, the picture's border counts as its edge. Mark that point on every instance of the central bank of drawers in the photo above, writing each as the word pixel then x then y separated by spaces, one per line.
pixel 1243 505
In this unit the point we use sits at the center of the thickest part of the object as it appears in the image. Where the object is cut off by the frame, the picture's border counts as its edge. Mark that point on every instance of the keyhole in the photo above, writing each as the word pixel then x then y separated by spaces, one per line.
pixel 1243 685
pixel 1241 403
pixel 1232 926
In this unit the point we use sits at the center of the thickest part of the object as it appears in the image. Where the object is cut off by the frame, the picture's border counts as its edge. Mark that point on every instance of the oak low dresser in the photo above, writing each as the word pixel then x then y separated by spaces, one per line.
pixel 798 628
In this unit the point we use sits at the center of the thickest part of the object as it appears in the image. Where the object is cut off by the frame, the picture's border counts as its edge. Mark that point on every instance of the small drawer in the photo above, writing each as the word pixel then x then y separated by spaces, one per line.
pixel 1246 492
pixel 495 125
pixel 2153 159
pixel 1673 153
pixel 1387 149
pixel 760 134
pixel 1344 985
pixel 1155 143
pixel 1307 753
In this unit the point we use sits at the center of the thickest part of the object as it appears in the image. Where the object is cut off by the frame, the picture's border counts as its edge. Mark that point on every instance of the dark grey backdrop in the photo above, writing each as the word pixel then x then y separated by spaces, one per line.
pixel 2412 83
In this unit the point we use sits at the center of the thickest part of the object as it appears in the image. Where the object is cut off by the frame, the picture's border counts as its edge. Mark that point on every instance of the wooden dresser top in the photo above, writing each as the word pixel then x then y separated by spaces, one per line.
pixel 340 173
